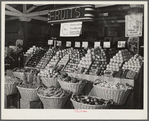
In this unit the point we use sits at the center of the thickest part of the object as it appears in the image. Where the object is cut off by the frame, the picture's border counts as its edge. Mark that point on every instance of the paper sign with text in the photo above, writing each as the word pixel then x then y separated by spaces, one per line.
pixel 77 44
pixel 71 29
pixel 96 44
pixel 50 42
pixel 68 44
pixel 85 44
pixel 106 44
pixel 59 43
pixel 121 44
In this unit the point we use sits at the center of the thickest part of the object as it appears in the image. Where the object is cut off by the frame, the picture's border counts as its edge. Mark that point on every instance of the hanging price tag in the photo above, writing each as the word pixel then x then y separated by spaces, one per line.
pixel 50 42
pixel 121 44
pixel 106 45
pixel 85 44
pixel 68 44
pixel 59 43
pixel 77 44
pixel 96 44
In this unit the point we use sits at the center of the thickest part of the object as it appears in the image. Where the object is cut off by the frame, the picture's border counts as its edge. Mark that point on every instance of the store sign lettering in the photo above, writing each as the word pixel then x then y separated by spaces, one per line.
pixel 69 14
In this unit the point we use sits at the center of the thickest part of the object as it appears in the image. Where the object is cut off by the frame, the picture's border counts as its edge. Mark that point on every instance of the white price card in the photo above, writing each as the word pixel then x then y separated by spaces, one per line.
pixel 96 44
pixel 68 44
pixel 59 43
pixel 50 42
pixel 106 44
pixel 85 44
pixel 121 44
pixel 77 44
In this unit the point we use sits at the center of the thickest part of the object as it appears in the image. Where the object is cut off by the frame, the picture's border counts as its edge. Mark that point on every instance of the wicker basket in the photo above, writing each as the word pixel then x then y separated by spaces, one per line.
pixel 10 88
pixel 73 87
pixel 119 96
pixel 78 105
pixel 53 102
pixel 28 93
pixel 18 74
pixel 48 82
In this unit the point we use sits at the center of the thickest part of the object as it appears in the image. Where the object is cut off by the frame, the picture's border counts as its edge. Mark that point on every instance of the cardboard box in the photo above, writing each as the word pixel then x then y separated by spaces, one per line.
pixel 24 104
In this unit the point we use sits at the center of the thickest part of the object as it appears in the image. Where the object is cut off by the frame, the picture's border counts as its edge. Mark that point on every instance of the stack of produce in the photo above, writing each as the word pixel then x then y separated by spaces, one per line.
pixel 86 62
pixel 36 58
pixel 88 102
pixel 53 98
pixel 45 59
pixel 64 60
pixel 133 64
pixel 75 57
pixel 31 50
pixel 100 62
pixel 117 60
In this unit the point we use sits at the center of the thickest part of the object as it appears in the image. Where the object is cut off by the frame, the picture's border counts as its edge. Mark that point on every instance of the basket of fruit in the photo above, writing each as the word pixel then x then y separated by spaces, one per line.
pixel 90 102
pixel 52 97
pixel 28 90
pixel 19 73
pixel 10 85
pixel 118 92
pixel 70 83
pixel 49 79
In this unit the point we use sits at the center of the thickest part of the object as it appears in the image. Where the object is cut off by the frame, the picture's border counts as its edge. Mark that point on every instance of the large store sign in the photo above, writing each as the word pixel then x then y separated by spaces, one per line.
pixel 85 12
pixel 133 25
pixel 71 29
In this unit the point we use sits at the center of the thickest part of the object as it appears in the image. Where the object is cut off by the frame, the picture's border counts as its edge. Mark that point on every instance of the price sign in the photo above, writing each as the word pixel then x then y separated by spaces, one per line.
pixel 85 44
pixel 106 44
pixel 121 44
pixel 77 44
pixel 59 43
pixel 50 42
pixel 96 44
pixel 68 44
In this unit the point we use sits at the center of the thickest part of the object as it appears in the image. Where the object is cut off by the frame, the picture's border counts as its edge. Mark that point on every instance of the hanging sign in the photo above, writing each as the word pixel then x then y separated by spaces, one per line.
pixel 133 44
pixel 133 25
pixel 85 44
pixel 68 44
pixel 59 43
pixel 121 44
pixel 77 44
pixel 71 29
pixel 96 44
pixel 106 44
pixel 50 42
pixel 82 12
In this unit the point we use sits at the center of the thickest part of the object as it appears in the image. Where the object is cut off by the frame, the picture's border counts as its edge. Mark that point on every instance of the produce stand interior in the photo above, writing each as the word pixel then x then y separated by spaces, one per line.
pixel 75 56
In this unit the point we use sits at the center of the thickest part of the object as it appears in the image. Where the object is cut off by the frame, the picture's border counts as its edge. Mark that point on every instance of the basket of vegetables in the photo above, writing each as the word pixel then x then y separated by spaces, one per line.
pixel 52 97
pixel 71 83
pixel 118 92
pixel 90 102
pixel 28 90
pixel 10 85
pixel 49 79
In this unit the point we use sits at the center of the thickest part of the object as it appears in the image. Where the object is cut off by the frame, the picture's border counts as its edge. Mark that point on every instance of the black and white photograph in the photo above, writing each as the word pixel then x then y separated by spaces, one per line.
pixel 74 60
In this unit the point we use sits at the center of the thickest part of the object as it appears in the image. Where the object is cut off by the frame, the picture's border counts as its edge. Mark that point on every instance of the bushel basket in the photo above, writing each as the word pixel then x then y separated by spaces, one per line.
pixel 119 96
pixel 10 88
pixel 18 75
pixel 53 102
pixel 73 87
pixel 28 94
pixel 48 82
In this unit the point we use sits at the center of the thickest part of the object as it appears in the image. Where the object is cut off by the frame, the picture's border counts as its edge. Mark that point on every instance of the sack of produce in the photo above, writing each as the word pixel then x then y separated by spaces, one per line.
pixel 118 92
pixel 49 78
pixel 28 90
pixel 70 83
pixel 90 102
pixel 10 85
pixel 52 98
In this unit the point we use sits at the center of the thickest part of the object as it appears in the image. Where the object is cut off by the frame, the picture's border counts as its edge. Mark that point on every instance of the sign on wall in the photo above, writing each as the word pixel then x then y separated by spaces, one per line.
pixel 133 25
pixel 83 12
pixel 50 42
pixel 121 44
pixel 68 44
pixel 77 44
pixel 59 43
pixel 85 44
pixel 133 44
pixel 96 44
pixel 71 29
pixel 106 44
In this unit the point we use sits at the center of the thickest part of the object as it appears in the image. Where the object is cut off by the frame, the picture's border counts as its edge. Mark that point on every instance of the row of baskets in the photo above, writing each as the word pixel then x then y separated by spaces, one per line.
pixel 118 96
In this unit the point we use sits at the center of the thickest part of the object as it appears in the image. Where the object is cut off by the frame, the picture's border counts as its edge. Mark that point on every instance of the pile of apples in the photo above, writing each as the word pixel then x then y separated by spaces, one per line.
pixel 64 60
pixel 45 59
pixel 134 63
pixel 31 50
pixel 117 60
pixel 48 73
